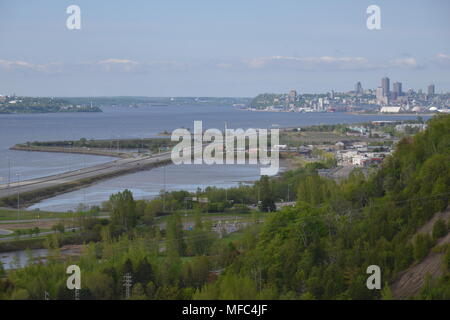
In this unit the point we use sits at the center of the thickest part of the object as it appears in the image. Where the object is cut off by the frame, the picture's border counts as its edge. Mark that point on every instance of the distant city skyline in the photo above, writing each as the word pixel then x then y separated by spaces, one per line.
pixel 233 48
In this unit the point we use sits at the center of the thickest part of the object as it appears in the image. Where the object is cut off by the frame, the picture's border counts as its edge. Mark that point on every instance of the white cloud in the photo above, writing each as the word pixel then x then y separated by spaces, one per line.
pixel 328 63
pixel 117 61
pixel 308 63
pixel 127 65
pixel 442 60
pixel 319 63
pixel 408 62
pixel 113 64
pixel 224 65
pixel 443 56
pixel 27 66
pixel 19 64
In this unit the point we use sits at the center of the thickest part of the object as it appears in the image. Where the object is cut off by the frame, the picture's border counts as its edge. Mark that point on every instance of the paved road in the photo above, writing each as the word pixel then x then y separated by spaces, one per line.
pixel 15 221
pixel 112 167
pixel 24 236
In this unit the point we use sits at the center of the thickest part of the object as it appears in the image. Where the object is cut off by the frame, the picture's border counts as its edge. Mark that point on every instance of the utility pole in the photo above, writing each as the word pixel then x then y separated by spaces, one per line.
pixel 260 280
pixel 9 172
pixel 18 195
pixel 127 282
pixel 84 189
pixel 164 195
pixel 77 294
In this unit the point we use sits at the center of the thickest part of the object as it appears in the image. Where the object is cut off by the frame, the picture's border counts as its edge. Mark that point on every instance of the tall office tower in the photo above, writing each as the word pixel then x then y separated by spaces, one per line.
pixel 321 108
pixel 380 93
pixel 385 86
pixel 397 88
pixel 292 96
pixel 358 88
pixel 431 89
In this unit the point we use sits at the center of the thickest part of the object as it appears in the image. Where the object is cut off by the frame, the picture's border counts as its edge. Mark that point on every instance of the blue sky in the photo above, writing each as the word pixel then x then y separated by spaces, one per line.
pixel 220 48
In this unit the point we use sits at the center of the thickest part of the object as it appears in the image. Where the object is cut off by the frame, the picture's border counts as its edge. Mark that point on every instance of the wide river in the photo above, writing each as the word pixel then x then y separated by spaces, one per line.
pixel 119 123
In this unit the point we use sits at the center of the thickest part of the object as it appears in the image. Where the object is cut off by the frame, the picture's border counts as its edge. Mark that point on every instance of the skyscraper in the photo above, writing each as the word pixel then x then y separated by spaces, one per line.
pixel 380 93
pixel 385 85
pixel 292 95
pixel 431 89
pixel 358 88
pixel 397 88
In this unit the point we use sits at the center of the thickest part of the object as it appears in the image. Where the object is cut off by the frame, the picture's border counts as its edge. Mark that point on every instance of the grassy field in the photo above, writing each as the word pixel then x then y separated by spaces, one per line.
pixel 11 214
pixel 25 230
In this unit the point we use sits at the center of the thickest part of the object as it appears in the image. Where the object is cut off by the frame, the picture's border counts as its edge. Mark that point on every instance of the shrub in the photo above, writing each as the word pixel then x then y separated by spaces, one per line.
pixel 422 245
pixel 439 229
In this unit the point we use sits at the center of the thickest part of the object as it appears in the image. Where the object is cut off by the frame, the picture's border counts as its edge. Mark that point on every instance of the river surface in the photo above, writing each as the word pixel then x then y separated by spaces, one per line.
pixel 119 123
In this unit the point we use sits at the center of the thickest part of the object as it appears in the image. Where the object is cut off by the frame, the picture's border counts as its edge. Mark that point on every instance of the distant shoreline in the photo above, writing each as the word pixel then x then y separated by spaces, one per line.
pixel 347 112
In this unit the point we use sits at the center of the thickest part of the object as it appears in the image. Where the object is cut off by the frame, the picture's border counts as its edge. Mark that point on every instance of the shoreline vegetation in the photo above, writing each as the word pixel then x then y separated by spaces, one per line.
pixel 21 105
pixel 24 105
pixel 356 113
pixel 122 148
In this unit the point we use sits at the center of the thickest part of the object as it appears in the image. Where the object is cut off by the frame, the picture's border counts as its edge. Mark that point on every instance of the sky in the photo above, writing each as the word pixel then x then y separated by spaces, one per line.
pixel 220 48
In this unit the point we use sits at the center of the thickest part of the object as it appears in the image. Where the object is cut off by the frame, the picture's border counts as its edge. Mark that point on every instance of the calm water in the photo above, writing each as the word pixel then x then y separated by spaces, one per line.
pixel 137 123
pixel 21 258
pixel 148 184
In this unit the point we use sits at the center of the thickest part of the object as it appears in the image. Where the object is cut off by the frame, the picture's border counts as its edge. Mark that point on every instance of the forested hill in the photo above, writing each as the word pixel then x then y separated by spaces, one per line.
pixel 321 248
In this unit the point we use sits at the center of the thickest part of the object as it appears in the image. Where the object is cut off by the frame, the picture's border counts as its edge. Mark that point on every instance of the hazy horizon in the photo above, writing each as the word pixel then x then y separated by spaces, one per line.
pixel 218 49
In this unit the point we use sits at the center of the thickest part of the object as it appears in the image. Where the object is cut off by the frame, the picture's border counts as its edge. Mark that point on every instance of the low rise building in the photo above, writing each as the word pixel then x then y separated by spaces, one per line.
pixel 391 109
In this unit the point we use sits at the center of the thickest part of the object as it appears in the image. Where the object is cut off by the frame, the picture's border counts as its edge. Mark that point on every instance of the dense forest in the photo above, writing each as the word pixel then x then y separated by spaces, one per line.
pixel 318 249
pixel 321 248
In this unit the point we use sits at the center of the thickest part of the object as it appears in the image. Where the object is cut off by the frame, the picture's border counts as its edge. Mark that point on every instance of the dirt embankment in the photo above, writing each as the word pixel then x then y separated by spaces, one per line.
pixel 89 151
pixel 409 282
pixel 31 197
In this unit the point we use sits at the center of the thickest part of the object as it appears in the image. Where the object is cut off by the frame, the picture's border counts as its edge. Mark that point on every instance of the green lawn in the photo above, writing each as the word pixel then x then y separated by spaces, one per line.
pixel 13 235
pixel 11 214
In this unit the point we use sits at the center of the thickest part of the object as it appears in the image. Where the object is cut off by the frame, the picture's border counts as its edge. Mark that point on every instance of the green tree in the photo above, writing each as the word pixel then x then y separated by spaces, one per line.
pixel 123 215
pixel 422 245
pixel 144 272
pixel 175 243
pixel 439 229
pixel 267 196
